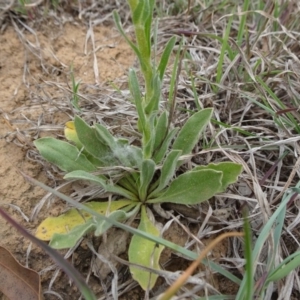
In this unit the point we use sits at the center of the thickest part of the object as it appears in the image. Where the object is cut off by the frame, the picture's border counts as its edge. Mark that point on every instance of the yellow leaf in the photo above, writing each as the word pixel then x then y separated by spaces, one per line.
pixel 71 134
pixel 64 223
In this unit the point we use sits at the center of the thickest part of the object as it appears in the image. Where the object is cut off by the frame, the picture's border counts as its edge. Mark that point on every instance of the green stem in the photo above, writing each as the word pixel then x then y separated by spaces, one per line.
pixel 146 63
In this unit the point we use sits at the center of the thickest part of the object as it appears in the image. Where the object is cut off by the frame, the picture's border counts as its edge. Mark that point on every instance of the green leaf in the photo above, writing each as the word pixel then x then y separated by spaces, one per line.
pixel 148 23
pixel 71 135
pixel 167 171
pixel 153 102
pixel 64 155
pixel 230 170
pixel 136 94
pixel 161 129
pixel 192 188
pixel 224 47
pixel 105 136
pixel 174 79
pixel 165 57
pixel 278 227
pixel 157 240
pixel 190 132
pixel 129 183
pixel 101 180
pixel 138 13
pixel 145 253
pixel 149 137
pixel 160 154
pixel 89 138
pixel 68 240
pixel 147 172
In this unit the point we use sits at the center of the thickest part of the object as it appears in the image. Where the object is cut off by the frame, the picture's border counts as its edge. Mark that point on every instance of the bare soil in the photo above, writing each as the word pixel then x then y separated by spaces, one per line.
pixel 24 89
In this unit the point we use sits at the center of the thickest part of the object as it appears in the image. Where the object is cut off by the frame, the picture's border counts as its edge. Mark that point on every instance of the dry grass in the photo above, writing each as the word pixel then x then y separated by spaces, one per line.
pixel 256 113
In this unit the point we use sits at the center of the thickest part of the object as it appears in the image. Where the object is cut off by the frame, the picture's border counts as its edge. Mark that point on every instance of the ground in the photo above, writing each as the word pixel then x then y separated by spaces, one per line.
pixel 42 48
pixel 35 72
pixel 21 75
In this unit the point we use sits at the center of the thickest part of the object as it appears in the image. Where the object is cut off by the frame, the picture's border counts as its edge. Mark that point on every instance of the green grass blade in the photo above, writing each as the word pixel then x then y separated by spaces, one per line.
pixel 291 120
pixel 248 292
pixel 263 236
pixel 222 54
pixel 241 29
pixel 277 237
pixel 285 268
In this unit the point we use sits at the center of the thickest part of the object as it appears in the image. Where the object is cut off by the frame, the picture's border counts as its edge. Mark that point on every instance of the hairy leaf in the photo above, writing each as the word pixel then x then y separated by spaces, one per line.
pixel 167 171
pixel 147 172
pixel 165 57
pixel 161 153
pixel 153 102
pixel 101 180
pixel 90 139
pixel 138 13
pixel 69 239
pixel 190 133
pixel 230 170
pixel 127 155
pixel 71 135
pixel 67 157
pixel 138 100
pixel 192 187
pixel 161 130
pixel 105 136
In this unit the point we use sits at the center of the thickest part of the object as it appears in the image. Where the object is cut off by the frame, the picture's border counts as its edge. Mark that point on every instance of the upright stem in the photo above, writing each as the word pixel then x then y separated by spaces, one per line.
pixel 146 55
pixel 142 27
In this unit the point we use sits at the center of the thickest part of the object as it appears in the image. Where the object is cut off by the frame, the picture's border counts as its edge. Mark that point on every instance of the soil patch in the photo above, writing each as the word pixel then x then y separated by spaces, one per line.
pixel 35 70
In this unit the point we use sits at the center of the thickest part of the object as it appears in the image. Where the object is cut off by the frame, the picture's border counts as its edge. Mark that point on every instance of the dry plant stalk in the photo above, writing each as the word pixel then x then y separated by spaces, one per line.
pixel 184 277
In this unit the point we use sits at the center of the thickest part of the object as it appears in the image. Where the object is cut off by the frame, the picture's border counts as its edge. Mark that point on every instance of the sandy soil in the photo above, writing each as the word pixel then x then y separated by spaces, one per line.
pixel 31 76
